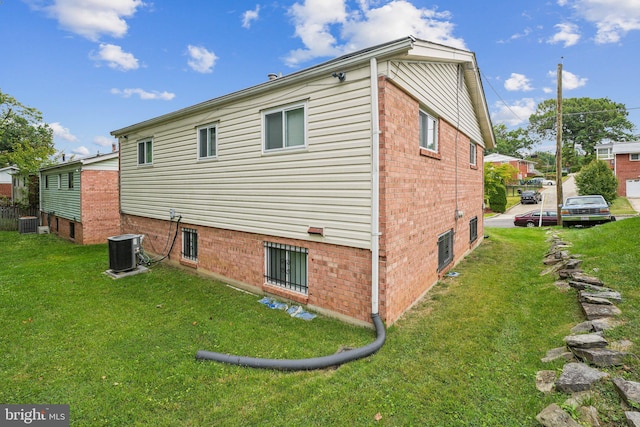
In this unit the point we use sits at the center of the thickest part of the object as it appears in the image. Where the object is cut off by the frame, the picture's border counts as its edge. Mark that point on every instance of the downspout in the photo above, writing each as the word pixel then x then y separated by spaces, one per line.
pixel 375 188
pixel 381 335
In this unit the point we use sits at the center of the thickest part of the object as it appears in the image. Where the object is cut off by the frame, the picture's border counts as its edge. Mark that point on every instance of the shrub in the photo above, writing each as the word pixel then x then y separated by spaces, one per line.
pixel 498 199
pixel 597 178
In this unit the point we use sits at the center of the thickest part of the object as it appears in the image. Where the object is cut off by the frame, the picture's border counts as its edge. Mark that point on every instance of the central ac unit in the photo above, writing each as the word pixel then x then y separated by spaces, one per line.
pixel 123 252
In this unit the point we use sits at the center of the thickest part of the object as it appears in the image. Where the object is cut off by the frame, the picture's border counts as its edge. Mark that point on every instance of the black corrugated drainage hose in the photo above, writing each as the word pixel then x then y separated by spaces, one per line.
pixel 303 364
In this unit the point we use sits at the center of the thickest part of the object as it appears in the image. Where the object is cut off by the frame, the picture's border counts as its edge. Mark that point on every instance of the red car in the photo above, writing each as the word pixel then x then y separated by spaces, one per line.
pixel 532 219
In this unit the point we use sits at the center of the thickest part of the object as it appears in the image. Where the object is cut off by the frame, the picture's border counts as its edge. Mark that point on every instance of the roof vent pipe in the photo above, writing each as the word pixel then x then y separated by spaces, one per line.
pixel 272 76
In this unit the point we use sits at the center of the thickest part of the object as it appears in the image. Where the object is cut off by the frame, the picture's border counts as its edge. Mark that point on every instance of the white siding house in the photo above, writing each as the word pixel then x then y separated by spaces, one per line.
pixel 307 161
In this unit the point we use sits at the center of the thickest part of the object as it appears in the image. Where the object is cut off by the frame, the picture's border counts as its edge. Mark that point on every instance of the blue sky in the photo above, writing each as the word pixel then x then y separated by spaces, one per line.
pixel 93 66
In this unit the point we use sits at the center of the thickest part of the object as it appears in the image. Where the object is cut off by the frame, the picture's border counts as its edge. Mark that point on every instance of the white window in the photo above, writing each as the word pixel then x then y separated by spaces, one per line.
pixel 59 181
pixel 634 156
pixel 285 128
pixel 190 244
pixel 145 152
pixel 286 266
pixel 428 131
pixel 472 154
pixel 605 153
pixel 207 142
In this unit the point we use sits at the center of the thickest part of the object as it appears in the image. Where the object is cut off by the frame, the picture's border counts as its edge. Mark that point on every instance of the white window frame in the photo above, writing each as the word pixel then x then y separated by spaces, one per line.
pixel 634 157
pixel 211 149
pixel 473 154
pixel 286 145
pixel 146 143
pixel 59 181
pixel 602 156
pixel 429 137
pixel 190 245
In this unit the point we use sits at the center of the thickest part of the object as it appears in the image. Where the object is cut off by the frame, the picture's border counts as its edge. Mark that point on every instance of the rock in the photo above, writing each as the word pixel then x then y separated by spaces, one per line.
pixel 628 390
pixel 579 399
pixel 633 418
pixel 594 300
pixel 600 357
pixel 580 277
pixel 607 296
pixel 599 311
pixel 622 345
pixel 581 286
pixel 578 377
pixel 557 353
pixel 573 264
pixel 588 415
pixel 554 416
pixel 605 323
pixel 562 285
pixel 586 341
pixel 583 327
pixel 568 274
pixel 551 260
pixel 545 381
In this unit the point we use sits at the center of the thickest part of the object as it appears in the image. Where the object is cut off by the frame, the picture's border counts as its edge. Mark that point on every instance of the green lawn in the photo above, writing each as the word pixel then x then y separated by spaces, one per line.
pixel 121 352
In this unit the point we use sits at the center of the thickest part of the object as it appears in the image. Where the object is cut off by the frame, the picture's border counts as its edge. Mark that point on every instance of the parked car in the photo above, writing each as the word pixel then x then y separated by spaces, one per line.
pixel 532 219
pixel 548 182
pixel 530 196
pixel 535 181
pixel 585 211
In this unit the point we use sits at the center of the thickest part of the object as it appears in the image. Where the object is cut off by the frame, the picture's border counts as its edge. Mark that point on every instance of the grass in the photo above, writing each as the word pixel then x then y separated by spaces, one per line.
pixel 621 206
pixel 122 352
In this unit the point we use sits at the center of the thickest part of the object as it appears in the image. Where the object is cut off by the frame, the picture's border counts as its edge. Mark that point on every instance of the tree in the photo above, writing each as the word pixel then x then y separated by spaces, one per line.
pixel 597 178
pixel 585 123
pixel 25 141
pixel 511 142
pixel 495 178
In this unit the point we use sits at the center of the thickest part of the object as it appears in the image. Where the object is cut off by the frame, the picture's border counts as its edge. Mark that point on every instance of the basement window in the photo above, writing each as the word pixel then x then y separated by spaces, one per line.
pixel 286 266
pixel 190 244
pixel 445 249
pixel 473 229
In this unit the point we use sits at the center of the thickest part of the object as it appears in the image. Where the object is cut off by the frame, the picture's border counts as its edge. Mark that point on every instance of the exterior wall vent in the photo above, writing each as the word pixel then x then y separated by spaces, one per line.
pixel 28 224
pixel 123 252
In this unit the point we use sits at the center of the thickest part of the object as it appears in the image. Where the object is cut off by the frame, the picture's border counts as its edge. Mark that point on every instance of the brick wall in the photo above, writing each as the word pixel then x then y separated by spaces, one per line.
pixel 100 205
pixel 5 190
pixel 626 169
pixel 419 196
pixel 61 227
pixel 339 278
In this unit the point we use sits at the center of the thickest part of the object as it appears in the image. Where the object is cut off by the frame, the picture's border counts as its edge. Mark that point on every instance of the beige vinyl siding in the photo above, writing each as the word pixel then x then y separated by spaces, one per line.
pixel 434 84
pixel 327 184
pixel 65 202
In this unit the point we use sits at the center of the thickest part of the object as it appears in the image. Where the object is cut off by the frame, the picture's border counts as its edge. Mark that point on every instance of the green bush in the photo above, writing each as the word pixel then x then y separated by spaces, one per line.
pixel 498 199
pixel 597 178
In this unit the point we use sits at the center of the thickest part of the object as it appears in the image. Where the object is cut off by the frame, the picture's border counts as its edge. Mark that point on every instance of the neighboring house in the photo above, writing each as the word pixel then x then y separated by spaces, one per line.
pixel 525 168
pixel 6 181
pixel 627 168
pixel 79 198
pixel 351 187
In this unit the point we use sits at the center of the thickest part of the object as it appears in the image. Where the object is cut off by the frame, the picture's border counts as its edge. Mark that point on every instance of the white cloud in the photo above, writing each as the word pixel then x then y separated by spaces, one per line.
pixel 143 94
pixel 517 82
pixel 612 18
pixel 81 151
pixel 250 16
pixel 201 60
pixel 92 18
pixel 514 114
pixel 62 132
pixel 116 58
pixel 103 141
pixel 567 34
pixel 570 81
pixel 319 23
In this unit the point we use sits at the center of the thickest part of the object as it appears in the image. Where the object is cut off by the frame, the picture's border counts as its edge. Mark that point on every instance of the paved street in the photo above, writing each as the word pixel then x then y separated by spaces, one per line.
pixel 505 220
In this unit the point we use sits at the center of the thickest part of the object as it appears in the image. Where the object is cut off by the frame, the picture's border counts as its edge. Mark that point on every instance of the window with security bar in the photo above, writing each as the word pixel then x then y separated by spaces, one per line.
pixel 445 249
pixel 286 266
pixel 190 244
pixel 473 229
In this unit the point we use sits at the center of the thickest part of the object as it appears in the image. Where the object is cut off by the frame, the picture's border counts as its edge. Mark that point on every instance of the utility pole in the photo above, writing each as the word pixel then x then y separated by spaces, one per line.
pixel 559 196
